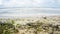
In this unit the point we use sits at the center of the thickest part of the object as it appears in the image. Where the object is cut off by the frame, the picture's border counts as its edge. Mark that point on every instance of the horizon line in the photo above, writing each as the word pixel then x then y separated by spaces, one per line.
pixel 29 7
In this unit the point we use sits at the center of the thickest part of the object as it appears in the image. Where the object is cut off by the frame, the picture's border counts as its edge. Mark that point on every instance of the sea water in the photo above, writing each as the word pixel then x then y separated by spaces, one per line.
pixel 25 12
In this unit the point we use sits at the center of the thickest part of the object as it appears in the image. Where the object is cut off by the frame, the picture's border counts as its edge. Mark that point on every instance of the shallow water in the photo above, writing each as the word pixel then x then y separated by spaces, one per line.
pixel 24 12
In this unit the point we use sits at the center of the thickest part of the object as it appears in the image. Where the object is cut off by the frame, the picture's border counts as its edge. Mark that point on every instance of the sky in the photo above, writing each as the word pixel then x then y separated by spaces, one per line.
pixel 30 3
pixel 29 7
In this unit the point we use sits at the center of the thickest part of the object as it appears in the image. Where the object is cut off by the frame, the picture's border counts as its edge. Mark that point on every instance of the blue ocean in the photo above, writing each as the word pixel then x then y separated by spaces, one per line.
pixel 10 12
